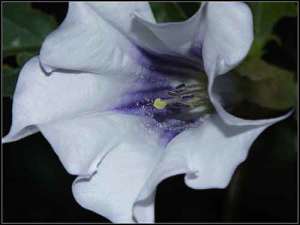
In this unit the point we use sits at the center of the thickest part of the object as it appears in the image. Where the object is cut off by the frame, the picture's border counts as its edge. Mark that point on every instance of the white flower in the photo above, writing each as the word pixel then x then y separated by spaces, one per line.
pixel 124 102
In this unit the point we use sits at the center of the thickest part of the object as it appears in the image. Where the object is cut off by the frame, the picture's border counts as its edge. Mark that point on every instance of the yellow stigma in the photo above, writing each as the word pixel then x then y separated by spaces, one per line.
pixel 159 103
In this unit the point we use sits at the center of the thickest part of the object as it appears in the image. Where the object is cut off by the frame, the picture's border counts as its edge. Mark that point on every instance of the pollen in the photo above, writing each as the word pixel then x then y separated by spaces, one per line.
pixel 159 103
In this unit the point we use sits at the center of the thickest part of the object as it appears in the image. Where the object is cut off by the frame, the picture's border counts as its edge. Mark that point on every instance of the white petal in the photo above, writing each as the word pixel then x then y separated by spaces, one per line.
pixel 82 142
pixel 221 32
pixel 112 190
pixel 220 149
pixel 166 38
pixel 40 99
pixel 227 40
pixel 173 161
pixel 208 155
pixel 87 42
pixel 227 36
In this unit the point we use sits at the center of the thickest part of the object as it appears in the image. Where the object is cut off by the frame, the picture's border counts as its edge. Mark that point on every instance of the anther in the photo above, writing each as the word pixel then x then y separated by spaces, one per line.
pixel 159 103
pixel 186 97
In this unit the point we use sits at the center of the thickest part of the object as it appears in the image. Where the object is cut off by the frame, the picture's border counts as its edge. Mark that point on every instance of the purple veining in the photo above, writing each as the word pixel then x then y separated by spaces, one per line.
pixel 156 82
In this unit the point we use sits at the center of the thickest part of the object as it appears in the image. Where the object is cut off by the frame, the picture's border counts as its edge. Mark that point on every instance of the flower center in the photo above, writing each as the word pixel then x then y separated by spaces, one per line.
pixel 191 97
pixel 170 93
pixel 186 101
pixel 173 106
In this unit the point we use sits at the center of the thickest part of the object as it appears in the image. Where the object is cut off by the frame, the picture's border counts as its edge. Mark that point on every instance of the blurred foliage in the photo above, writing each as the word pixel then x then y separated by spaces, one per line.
pixel 9 79
pixel 24 30
pixel 265 16
pixel 267 85
pixel 167 11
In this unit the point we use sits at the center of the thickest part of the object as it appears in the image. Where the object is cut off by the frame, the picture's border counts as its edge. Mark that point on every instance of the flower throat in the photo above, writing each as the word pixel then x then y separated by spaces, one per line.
pixel 186 101
pixel 192 97
pixel 171 95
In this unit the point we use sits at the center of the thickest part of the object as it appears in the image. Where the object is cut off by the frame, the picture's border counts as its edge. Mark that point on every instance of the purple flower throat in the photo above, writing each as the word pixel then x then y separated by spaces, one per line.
pixel 170 93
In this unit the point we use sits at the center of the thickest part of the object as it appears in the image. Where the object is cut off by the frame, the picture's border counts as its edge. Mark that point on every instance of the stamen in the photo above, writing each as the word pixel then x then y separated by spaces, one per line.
pixel 187 97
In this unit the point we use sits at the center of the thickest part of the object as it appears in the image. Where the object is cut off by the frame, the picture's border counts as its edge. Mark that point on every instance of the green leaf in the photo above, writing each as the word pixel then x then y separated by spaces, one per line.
pixel 9 78
pixel 167 11
pixel 24 28
pixel 189 8
pixel 265 16
pixel 23 57
pixel 267 85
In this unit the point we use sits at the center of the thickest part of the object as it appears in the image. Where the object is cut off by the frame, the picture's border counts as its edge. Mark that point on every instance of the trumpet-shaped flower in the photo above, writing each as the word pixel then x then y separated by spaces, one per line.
pixel 126 102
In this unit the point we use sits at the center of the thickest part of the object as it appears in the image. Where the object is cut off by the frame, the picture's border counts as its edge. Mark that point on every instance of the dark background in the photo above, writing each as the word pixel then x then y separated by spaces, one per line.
pixel 36 188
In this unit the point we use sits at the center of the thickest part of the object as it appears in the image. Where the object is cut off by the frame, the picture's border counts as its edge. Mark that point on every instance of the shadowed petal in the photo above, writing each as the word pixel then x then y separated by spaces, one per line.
pixel 40 99
pixel 174 38
pixel 218 31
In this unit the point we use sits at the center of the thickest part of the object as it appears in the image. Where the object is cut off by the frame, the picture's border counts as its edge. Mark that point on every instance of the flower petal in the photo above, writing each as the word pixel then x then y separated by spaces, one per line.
pixel 174 38
pixel 40 99
pixel 227 36
pixel 82 142
pixel 220 149
pixel 87 42
pixel 227 40
pixel 112 190
pixel 208 155
pixel 217 32
pixel 173 161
